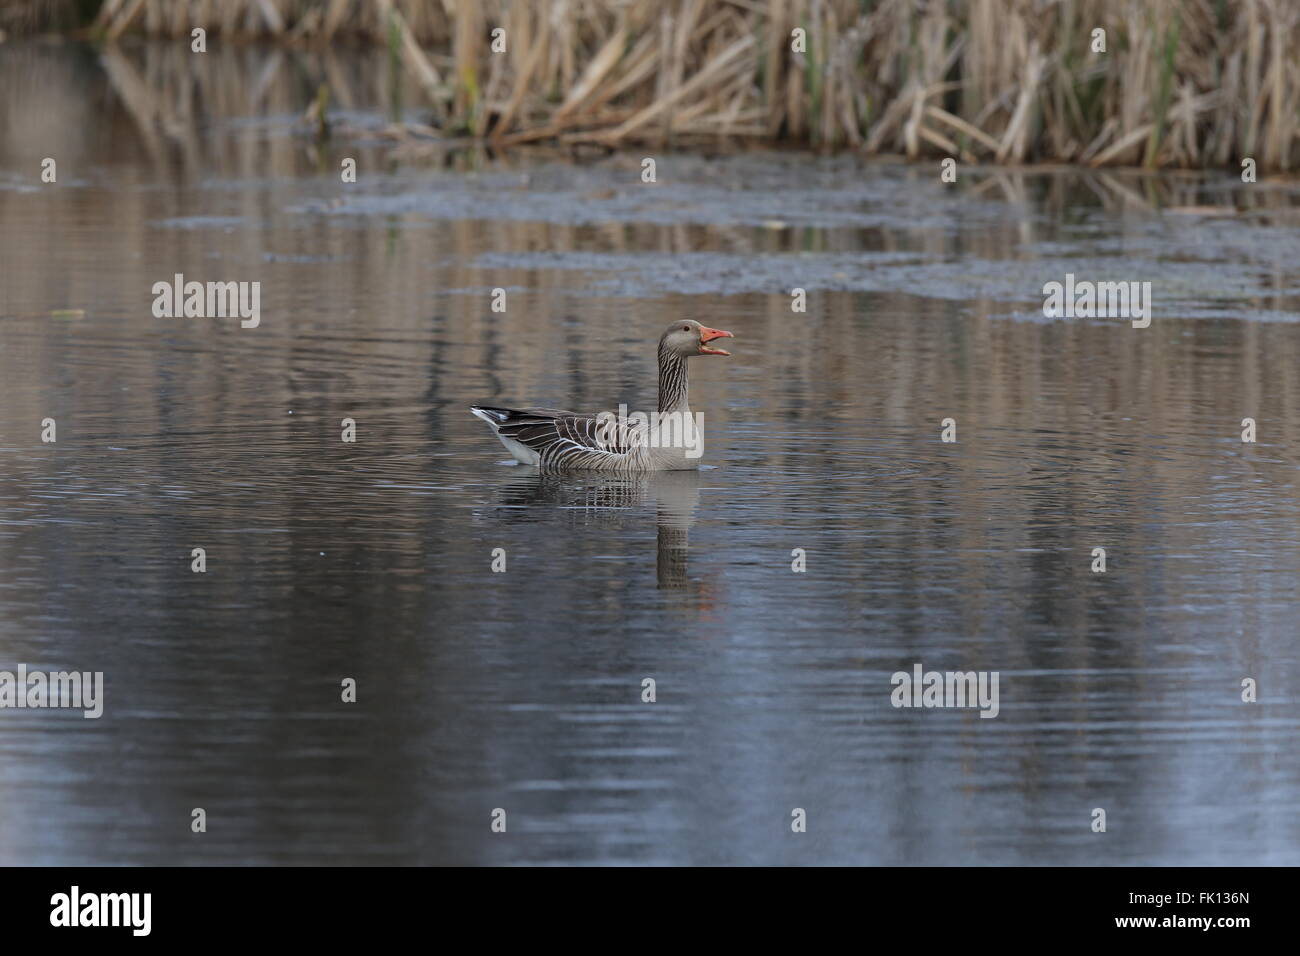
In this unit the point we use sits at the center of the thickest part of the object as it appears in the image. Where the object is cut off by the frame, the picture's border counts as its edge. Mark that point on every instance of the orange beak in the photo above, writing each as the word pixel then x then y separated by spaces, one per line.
pixel 708 335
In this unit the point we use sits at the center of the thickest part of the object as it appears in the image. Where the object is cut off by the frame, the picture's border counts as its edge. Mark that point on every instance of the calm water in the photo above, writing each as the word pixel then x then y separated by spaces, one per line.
pixel 522 690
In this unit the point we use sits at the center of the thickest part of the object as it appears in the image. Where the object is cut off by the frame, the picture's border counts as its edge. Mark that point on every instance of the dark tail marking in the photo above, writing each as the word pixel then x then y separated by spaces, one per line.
pixel 498 415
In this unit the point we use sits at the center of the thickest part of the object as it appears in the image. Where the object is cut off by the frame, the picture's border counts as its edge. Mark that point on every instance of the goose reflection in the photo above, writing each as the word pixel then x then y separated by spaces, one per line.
pixel 595 498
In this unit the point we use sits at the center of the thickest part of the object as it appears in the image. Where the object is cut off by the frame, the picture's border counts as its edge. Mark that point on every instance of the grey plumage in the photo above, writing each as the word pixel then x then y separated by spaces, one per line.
pixel 558 440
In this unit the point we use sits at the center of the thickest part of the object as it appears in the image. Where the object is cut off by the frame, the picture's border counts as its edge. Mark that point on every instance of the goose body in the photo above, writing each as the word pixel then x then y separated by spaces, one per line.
pixel 557 440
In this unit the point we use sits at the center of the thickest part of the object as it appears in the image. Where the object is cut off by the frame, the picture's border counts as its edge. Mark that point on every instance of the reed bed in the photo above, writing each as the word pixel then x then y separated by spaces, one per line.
pixel 1182 84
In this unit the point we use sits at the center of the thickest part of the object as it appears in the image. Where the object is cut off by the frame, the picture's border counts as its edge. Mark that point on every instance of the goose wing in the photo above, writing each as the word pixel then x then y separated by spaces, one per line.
pixel 560 437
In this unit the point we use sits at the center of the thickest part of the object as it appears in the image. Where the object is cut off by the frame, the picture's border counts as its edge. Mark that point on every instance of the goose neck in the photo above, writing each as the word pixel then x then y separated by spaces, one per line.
pixel 673 384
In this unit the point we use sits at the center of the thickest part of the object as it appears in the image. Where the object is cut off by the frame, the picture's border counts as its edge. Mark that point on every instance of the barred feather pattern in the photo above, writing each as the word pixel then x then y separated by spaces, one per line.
pixel 674 384
pixel 557 440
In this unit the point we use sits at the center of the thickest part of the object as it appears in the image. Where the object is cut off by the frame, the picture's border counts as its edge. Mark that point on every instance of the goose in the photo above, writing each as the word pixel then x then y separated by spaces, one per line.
pixel 557 440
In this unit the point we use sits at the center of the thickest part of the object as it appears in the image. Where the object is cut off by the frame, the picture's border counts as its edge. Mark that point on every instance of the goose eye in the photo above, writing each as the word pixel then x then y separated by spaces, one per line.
pixel 686 328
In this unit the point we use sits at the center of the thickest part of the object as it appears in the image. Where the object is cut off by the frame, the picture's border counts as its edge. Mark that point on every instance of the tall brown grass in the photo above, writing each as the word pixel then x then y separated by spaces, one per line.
pixel 1184 84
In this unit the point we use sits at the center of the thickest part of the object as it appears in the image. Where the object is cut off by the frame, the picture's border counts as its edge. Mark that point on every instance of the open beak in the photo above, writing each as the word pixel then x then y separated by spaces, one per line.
pixel 708 335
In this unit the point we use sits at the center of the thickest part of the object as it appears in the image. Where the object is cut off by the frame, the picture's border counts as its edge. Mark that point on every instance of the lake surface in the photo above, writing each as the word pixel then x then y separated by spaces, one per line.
pixel 522 690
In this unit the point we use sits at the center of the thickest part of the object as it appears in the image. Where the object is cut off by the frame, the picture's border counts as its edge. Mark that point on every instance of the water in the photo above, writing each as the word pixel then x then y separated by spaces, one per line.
pixel 522 690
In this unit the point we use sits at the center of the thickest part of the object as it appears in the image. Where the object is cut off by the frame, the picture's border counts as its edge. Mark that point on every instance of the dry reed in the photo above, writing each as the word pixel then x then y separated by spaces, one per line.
pixel 1182 84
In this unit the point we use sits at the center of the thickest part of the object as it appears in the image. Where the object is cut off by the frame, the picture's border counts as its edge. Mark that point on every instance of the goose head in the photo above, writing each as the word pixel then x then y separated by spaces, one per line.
pixel 688 337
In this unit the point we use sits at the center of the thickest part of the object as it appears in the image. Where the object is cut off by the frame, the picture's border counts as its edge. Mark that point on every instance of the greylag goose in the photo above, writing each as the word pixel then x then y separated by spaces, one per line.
pixel 557 440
